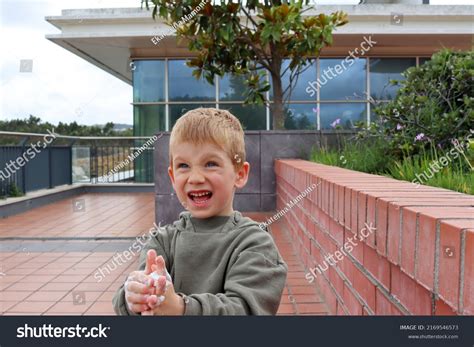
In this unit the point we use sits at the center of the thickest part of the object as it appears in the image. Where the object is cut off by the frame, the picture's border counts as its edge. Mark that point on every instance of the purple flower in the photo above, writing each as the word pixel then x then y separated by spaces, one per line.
pixel 399 126
pixel 336 122
pixel 419 137
pixel 315 109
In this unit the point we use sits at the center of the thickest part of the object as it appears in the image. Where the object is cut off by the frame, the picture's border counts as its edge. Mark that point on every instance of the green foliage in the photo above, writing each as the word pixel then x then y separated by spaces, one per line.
pixel 374 156
pixel 433 107
pixel 14 191
pixel 422 169
pixel 361 155
pixel 244 37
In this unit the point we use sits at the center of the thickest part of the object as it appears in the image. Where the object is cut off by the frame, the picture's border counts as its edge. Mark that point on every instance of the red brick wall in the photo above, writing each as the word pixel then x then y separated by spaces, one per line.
pixel 418 260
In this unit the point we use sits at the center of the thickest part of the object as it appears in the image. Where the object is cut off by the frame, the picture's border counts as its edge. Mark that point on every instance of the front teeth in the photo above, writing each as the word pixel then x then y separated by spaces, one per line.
pixel 199 194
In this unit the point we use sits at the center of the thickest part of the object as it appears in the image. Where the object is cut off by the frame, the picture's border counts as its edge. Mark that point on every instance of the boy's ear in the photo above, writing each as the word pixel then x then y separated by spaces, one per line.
pixel 171 174
pixel 242 175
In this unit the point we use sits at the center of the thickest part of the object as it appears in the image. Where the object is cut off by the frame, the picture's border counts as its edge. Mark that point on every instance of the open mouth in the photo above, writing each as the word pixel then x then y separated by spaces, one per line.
pixel 200 197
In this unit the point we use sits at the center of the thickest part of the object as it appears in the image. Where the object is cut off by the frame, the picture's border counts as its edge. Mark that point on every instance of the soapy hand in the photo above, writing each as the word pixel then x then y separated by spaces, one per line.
pixel 139 286
pixel 163 300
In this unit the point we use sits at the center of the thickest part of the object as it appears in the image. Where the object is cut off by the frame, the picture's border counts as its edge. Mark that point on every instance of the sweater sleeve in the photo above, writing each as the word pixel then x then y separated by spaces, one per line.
pixel 253 285
pixel 161 243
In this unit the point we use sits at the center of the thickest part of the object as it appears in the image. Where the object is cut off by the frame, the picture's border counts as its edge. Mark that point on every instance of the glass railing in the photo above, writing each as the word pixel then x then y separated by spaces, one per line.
pixel 30 161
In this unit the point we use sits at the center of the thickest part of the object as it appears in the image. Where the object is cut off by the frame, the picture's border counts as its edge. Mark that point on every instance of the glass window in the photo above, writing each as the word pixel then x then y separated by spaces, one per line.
pixel 148 80
pixel 300 92
pixel 384 70
pixel 421 61
pixel 148 119
pixel 183 86
pixel 300 116
pixel 252 117
pixel 343 80
pixel 232 88
pixel 343 114
pixel 176 111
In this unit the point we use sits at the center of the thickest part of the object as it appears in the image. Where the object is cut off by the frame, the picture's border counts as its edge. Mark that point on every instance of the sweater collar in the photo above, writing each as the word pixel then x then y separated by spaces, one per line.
pixel 184 223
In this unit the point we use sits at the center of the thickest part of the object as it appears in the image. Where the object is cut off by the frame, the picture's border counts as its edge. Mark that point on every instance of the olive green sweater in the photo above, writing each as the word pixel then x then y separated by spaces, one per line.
pixel 224 265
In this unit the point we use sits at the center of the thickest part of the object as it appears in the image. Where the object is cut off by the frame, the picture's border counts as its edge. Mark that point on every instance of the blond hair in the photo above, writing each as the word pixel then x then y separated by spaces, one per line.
pixel 219 127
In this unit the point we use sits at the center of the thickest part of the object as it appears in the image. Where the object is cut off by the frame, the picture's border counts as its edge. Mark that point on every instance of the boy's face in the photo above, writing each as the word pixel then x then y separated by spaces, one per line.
pixel 204 179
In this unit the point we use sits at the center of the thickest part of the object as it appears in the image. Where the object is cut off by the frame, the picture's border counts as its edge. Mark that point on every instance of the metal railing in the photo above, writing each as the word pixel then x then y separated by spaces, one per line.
pixel 72 159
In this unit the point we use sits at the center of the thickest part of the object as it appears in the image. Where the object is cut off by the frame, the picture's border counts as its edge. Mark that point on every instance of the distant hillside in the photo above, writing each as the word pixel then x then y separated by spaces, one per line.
pixel 122 127
pixel 36 125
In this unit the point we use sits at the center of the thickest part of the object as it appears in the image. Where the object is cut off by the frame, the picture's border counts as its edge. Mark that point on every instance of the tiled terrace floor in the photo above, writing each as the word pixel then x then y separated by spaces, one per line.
pixel 49 256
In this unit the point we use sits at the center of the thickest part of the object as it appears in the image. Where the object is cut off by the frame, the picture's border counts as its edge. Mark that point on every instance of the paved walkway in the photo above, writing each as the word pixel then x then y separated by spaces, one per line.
pixel 86 215
pixel 58 259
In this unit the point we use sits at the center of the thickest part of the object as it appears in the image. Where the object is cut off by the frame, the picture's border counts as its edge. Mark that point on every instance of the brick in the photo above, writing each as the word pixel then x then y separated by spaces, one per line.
pixel 354 212
pixel 468 264
pixel 306 242
pixel 425 249
pixel 328 295
pixel 383 306
pixel 443 309
pixel 347 208
pixel 449 260
pixel 331 200
pixel 324 196
pixel 378 266
pixel 408 241
pixel 362 215
pixel 335 280
pixel 341 309
pixel 312 308
pixel 353 305
pixel 365 289
pixel 412 295
pixel 336 231
pixel 371 201
pixel 340 209
pixel 358 249
pixel 336 202
pixel 381 234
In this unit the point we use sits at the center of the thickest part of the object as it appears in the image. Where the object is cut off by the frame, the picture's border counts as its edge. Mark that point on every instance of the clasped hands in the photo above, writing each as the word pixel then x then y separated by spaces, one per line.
pixel 149 293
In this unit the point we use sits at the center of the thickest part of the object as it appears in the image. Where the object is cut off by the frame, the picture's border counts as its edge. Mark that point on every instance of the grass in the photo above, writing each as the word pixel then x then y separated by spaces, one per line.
pixel 426 168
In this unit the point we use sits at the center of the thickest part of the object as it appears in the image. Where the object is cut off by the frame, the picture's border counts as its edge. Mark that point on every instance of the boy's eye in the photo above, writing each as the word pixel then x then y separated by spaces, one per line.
pixel 211 163
pixel 182 166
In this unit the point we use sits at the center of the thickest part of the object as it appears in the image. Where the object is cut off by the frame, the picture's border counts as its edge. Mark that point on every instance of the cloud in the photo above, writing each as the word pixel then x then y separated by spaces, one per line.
pixel 62 86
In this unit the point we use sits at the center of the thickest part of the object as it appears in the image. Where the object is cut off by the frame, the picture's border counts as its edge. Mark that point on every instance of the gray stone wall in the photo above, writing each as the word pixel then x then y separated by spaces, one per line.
pixel 262 148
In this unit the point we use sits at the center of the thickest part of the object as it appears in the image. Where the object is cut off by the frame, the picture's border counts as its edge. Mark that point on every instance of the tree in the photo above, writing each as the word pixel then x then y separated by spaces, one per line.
pixel 247 37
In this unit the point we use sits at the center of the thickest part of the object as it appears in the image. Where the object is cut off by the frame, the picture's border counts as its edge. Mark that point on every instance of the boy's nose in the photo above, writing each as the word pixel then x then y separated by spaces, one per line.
pixel 196 177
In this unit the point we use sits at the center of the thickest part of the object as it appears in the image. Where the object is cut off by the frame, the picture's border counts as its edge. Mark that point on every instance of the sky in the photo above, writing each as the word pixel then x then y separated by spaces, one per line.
pixel 62 86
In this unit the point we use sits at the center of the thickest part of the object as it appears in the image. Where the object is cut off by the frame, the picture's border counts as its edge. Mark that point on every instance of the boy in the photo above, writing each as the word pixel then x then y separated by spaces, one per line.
pixel 220 262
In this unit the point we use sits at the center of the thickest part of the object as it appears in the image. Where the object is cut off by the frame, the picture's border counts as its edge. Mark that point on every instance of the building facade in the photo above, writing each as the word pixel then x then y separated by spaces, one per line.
pixel 379 43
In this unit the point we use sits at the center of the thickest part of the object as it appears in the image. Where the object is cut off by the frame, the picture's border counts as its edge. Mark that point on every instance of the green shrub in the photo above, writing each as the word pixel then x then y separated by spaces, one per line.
pixel 14 191
pixel 434 105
